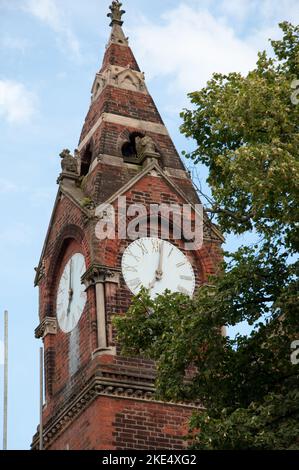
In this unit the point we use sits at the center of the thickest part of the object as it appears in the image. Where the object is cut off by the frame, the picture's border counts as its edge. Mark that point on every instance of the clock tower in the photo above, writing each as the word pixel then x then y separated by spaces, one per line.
pixel 94 397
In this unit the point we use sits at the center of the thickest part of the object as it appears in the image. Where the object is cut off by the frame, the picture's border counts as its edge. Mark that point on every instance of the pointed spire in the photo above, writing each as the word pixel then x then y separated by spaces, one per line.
pixel 116 13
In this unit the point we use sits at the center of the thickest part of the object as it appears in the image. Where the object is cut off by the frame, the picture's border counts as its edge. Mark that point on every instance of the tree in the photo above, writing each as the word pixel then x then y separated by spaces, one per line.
pixel 247 133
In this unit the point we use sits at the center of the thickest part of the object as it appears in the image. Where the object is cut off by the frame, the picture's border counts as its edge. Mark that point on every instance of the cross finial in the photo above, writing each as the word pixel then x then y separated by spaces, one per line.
pixel 116 13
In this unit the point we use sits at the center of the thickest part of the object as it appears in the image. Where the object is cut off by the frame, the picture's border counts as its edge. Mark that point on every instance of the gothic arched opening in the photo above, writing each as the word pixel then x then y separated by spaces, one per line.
pixel 128 149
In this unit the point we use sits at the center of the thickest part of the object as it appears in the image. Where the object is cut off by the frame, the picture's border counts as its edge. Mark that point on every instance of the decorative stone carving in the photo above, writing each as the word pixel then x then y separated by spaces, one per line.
pixel 40 273
pixel 121 77
pixel 69 166
pixel 116 13
pixel 68 162
pixel 100 274
pixel 47 327
pixel 145 147
pixel 129 387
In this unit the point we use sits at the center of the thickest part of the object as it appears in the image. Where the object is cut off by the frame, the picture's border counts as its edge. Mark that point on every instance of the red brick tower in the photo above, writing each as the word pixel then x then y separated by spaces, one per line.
pixel 95 398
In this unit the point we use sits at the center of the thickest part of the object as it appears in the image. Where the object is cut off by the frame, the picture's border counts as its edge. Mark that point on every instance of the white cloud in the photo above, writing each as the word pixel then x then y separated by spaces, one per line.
pixel 17 104
pixel 191 45
pixel 7 186
pixel 1 353
pixel 217 36
pixel 15 43
pixel 49 12
pixel 237 9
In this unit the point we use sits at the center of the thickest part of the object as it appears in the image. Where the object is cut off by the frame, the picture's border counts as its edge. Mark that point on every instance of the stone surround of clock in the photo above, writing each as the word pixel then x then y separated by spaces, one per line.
pixel 94 397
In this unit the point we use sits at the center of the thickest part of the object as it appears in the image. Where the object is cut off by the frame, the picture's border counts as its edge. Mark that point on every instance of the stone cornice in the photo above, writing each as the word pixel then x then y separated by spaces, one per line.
pixel 143 126
pixel 106 384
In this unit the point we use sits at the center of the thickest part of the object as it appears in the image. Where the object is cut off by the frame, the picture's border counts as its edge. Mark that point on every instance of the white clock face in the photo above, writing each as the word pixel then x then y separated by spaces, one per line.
pixel 157 265
pixel 71 296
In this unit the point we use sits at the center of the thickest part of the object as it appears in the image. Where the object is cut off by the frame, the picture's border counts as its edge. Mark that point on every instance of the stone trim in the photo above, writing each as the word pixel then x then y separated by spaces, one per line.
pixel 106 384
pixel 176 173
pixel 104 352
pixel 145 126
pixel 119 77
pixel 47 327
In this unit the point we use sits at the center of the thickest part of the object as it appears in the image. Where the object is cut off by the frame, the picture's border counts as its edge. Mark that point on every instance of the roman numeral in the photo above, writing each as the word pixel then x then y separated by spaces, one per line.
pixel 63 317
pixel 186 278
pixel 142 247
pixel 133 256
pixel 155 245
pixel 134 283
pixel 182 290
pixel 130 269
pixel 169 254
pixel 179 265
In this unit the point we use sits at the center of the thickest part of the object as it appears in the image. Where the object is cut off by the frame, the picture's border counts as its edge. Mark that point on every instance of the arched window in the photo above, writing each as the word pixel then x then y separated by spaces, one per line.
pixel 129 148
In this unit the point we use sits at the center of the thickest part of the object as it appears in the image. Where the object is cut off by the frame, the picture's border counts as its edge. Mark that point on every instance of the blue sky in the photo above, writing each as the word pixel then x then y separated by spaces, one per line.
pixel 50 51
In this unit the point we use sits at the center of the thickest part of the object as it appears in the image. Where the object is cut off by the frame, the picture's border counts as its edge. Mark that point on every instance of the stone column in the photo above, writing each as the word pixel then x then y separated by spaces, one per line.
pixel 101 315
pixel 99 276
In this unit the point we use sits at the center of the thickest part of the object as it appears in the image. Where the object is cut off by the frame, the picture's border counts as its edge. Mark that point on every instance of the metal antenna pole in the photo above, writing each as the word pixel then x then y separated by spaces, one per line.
pixel 41 381
pixel 5 401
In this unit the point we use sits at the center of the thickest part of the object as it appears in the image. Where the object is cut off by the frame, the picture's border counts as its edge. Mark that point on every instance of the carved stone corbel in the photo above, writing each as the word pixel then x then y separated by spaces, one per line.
pixel 47 327
pixel 100 274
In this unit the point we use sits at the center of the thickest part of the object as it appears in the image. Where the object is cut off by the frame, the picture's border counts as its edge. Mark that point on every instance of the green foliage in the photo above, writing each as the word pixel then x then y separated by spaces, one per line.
pixel 86 202
pixel 247 133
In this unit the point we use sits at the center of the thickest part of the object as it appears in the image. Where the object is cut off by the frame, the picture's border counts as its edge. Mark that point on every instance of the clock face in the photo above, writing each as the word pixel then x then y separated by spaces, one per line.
pixel 71 296
pixel 157 265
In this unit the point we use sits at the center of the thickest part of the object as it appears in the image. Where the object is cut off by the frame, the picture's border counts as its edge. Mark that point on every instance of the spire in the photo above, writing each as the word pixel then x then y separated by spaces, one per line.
pixel 122 112
pixel 117 34
pixel 116 13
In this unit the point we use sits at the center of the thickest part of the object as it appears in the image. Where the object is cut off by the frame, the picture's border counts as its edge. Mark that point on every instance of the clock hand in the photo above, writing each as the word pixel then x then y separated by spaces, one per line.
pixel 71 291
pixel 159 271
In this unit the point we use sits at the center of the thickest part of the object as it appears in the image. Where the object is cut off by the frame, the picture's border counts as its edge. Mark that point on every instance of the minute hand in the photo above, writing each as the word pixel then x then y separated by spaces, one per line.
pixel 71 292
pixel 159 272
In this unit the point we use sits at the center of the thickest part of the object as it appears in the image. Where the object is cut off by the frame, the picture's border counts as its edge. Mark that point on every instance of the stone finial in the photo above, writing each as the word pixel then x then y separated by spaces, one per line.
pixel 116 13
pixel 68 162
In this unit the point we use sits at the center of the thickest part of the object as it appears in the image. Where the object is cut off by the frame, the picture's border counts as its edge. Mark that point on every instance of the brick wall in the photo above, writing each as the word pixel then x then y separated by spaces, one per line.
pixel 121 56
pixel 118 424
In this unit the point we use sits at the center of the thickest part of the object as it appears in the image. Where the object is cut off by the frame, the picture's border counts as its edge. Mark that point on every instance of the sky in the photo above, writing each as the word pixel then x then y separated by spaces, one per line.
pixel 50 51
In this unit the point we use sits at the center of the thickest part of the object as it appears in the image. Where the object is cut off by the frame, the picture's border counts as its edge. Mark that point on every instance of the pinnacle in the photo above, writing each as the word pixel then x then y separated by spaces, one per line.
pixel 117 34
pixel 116 13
